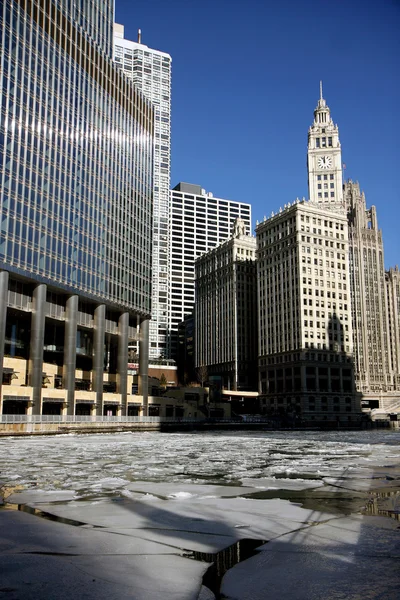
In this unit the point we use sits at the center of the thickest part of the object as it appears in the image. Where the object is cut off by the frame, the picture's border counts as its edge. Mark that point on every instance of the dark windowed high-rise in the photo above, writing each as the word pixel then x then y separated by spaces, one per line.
pixel 76 143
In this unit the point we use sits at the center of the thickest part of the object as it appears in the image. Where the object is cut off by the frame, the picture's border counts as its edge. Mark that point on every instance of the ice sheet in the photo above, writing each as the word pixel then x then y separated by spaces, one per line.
pixel 272 483
pixel 149 499
pixel 345 558
pixel 105 464
pixel 233 518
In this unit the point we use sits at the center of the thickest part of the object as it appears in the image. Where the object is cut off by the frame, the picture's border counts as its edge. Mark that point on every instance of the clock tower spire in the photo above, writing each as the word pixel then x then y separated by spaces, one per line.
pixel 324 157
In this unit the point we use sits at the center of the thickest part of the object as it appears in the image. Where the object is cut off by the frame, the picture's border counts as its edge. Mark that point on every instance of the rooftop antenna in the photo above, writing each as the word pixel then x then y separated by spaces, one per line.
pixel 320 88
pixel 139 36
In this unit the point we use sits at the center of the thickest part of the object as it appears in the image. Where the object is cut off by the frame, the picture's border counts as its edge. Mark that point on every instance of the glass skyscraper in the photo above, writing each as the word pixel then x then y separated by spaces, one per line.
pixel 76 152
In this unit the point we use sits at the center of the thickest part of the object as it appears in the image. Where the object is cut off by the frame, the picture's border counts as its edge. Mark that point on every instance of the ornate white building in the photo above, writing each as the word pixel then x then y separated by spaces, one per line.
pixel 373 370
pixel 304 307
pixel 376 369
pixel 304 303
pixel 324 157
pixel 393 303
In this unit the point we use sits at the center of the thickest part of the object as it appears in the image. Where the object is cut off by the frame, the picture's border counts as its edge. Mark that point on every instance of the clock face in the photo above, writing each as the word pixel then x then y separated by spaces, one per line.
pixel 324 162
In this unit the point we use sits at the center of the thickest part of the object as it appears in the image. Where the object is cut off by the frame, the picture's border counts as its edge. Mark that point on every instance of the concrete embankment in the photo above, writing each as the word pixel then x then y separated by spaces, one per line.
pixel 62 428
pixel 22 429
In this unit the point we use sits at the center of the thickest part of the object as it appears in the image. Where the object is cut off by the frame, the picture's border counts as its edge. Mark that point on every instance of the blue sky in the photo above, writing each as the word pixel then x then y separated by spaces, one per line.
pixel 245 82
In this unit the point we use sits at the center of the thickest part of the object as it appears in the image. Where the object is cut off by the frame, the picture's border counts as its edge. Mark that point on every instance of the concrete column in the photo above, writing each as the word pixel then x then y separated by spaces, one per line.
pixel 122 376
pixel 3 316
pixel 71 324
pixel 144 365
pixel 98 355
pixel 37 342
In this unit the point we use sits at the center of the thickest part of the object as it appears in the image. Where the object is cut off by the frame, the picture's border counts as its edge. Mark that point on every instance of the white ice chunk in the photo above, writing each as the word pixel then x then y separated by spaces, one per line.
pixel 35 496
pixel 273 483
pixel 188 490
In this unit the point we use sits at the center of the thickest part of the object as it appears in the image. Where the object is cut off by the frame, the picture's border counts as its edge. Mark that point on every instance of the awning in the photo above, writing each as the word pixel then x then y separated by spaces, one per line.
pixel 16 398
pixel 82 401
pixel 107 402
pixel 8 370
pixel 58 400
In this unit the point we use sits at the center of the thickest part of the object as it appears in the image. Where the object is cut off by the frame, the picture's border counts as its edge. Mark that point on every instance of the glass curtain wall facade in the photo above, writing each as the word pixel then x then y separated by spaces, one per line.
pixel 76 189
pixel 75 159
pixel 94 16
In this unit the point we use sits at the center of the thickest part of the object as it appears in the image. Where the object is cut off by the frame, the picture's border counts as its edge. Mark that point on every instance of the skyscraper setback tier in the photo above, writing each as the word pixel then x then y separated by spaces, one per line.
pixel 76 152
pixel 150 70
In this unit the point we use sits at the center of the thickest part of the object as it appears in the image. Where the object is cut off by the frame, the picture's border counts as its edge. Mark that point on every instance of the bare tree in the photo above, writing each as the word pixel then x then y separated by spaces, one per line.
pixel 202 374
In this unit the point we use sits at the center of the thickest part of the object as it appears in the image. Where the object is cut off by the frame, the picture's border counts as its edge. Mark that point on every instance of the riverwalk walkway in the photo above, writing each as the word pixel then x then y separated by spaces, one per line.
pixel 61 424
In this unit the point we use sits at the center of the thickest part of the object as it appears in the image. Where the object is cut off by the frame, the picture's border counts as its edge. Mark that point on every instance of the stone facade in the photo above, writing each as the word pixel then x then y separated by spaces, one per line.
pixel 225 311
pixel 324 157
pixel 304 309
pixel 373 370
pixel 392 277
pixel 305 326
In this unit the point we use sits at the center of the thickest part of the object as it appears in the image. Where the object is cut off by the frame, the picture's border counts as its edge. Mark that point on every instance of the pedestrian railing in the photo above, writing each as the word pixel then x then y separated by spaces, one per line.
pixel 14 419
pixel 92 419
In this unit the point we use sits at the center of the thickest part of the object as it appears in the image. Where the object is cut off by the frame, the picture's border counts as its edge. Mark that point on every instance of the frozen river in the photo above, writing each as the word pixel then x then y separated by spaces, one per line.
pixel 201 516
pixel 107 464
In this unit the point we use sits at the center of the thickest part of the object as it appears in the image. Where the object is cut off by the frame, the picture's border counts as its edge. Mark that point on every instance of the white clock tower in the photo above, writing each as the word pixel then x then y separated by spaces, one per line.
pixel 324 157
